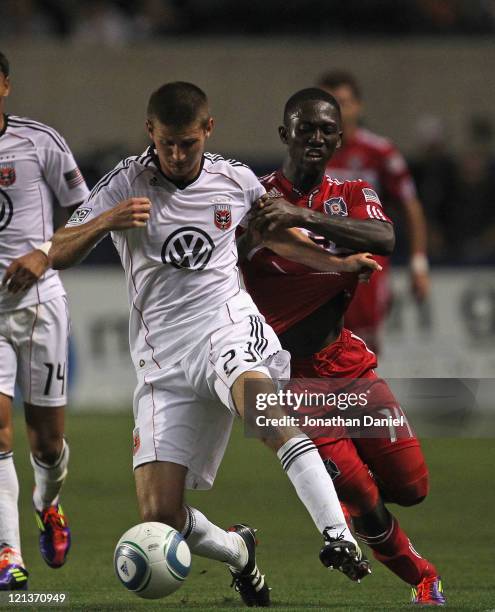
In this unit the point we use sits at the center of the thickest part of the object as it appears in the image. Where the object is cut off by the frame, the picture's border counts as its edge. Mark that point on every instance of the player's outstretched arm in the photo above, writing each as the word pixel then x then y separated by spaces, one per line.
pixel 70 245
pixel 357 234
pixel 296 246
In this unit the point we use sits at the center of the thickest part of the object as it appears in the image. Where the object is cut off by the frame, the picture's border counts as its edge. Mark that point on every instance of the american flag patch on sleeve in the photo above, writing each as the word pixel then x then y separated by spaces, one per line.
pixel 73 178
pixel 371 196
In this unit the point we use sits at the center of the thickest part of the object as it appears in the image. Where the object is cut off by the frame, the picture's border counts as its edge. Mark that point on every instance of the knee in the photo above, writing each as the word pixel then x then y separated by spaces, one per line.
pixel 411 494
pixel 6 438
pixel 47 449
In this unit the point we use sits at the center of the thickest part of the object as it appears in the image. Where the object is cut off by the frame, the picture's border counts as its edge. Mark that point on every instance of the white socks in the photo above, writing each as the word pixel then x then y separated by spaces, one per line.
pixel 9 494
pixel 49 479
pixel 300 459
pixel 207 540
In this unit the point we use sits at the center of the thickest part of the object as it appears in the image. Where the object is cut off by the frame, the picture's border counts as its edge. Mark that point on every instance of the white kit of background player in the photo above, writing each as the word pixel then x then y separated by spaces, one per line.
pixel 37 170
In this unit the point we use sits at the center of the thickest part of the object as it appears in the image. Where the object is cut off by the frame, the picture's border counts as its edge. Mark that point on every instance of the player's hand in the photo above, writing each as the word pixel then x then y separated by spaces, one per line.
pixel 420 285
pixel 362 264
pixel 128 214
pixel 24 271
pixel 271 214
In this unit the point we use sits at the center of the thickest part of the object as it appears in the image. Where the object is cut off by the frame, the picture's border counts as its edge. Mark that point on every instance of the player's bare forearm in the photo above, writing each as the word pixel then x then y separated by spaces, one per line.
pixel 70 245
pixel 417 233
pixel 294 245
pixel 416 226
pixel 375 236
pixel 359 235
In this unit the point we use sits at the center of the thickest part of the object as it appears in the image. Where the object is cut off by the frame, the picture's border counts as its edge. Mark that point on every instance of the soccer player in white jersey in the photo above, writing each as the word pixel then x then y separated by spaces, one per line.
pixel 36 169
pixel 196 337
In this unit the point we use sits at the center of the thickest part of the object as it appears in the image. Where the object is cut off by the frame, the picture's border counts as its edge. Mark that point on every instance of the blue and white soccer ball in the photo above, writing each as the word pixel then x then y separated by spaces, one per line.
pixel 152 560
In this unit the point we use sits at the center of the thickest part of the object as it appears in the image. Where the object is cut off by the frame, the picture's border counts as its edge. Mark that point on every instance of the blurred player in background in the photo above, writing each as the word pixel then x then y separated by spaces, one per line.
pixel 196 337
pixel 365 155
pixel 36 170
pixel 306 310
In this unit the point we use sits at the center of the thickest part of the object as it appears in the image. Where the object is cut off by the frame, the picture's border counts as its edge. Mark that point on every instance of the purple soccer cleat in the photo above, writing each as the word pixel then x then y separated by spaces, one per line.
pixel 55 535
pixel 13 575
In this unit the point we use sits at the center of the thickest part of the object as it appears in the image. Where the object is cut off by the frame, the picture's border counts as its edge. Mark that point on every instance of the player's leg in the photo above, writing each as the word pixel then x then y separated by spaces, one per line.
pixel 248 352
pixel 160 491
pixel 179 441
pixel 373 523
pixel 399 468
pixel 12 572
pixel 393 453
pixel 42 378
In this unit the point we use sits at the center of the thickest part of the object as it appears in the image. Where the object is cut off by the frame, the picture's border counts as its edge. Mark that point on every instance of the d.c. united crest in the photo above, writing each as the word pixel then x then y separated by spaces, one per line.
pixel 223 216
pixel 7 174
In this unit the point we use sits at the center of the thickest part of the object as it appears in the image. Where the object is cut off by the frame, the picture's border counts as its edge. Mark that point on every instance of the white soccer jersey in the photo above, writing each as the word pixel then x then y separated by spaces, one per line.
pixel 182 266
pixel 36 169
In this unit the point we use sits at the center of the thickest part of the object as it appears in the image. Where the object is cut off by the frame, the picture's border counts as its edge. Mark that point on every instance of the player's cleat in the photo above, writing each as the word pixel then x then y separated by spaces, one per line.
pixel 250 582
pixel 429 592
pixel 13 575
pixel 54 535
pixel 345 556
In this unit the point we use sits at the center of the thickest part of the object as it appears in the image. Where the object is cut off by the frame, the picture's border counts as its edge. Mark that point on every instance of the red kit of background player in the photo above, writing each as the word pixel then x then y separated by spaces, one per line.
pixel 370 157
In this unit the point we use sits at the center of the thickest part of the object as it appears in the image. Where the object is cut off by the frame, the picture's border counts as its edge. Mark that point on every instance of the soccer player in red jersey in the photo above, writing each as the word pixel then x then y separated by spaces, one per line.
pixel 306 308
pixel 367 156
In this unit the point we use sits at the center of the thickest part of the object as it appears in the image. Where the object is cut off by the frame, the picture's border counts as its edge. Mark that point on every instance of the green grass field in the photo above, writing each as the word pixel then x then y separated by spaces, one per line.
pixel 453 527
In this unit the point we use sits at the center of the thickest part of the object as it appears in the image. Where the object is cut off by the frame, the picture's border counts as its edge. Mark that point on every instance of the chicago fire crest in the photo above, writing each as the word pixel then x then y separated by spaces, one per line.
pixel 7 174
pixel 223 216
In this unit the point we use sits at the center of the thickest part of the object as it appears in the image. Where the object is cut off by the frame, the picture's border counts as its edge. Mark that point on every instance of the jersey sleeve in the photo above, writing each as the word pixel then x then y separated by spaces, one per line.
pixel 364 202
pixel 62 173
pixel 107 193
pixel 395 178
pixel 252 192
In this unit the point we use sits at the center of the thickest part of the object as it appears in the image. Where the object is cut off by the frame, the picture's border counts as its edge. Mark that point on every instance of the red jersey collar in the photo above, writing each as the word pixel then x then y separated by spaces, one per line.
pixel 289 187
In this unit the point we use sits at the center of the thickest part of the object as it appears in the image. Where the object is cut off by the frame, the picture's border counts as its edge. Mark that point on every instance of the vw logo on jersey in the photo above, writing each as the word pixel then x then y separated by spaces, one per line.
pixel 189 247
pixel 6 210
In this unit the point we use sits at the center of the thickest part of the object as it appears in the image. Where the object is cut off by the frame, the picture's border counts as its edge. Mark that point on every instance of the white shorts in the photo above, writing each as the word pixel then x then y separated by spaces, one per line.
pixel 183 413
pixel 33 352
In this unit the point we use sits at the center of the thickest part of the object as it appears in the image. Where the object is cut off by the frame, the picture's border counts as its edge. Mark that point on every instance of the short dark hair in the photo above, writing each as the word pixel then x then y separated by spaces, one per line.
pixel 337 78
pixel 178 104
pixel 310 93
pixel 4 65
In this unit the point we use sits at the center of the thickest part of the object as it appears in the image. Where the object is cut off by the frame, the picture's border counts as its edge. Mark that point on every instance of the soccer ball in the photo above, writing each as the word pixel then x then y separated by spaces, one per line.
pixel 152 560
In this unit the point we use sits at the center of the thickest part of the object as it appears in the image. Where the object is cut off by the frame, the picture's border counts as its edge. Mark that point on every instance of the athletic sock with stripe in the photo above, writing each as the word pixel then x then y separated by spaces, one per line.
pixel 300 459
pixel 207 540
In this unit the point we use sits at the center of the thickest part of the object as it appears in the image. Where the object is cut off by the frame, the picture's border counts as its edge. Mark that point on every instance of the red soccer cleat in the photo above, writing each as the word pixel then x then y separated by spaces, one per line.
pixel 429 592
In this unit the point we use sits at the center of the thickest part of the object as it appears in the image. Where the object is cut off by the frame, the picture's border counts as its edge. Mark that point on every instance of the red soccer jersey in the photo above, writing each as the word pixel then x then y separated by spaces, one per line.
pixel 287 292
pixel 374 159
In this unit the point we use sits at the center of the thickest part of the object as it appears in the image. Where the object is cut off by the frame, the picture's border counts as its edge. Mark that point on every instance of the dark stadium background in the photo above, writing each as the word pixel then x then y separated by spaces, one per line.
pixel 426 69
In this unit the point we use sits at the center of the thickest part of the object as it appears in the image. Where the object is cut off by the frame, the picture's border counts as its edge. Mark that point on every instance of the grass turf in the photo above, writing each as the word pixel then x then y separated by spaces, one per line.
pixel 453 527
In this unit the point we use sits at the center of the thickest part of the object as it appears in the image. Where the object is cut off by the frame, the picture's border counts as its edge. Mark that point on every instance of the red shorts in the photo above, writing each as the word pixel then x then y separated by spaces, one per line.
pixel 394 455
pixel 370 304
